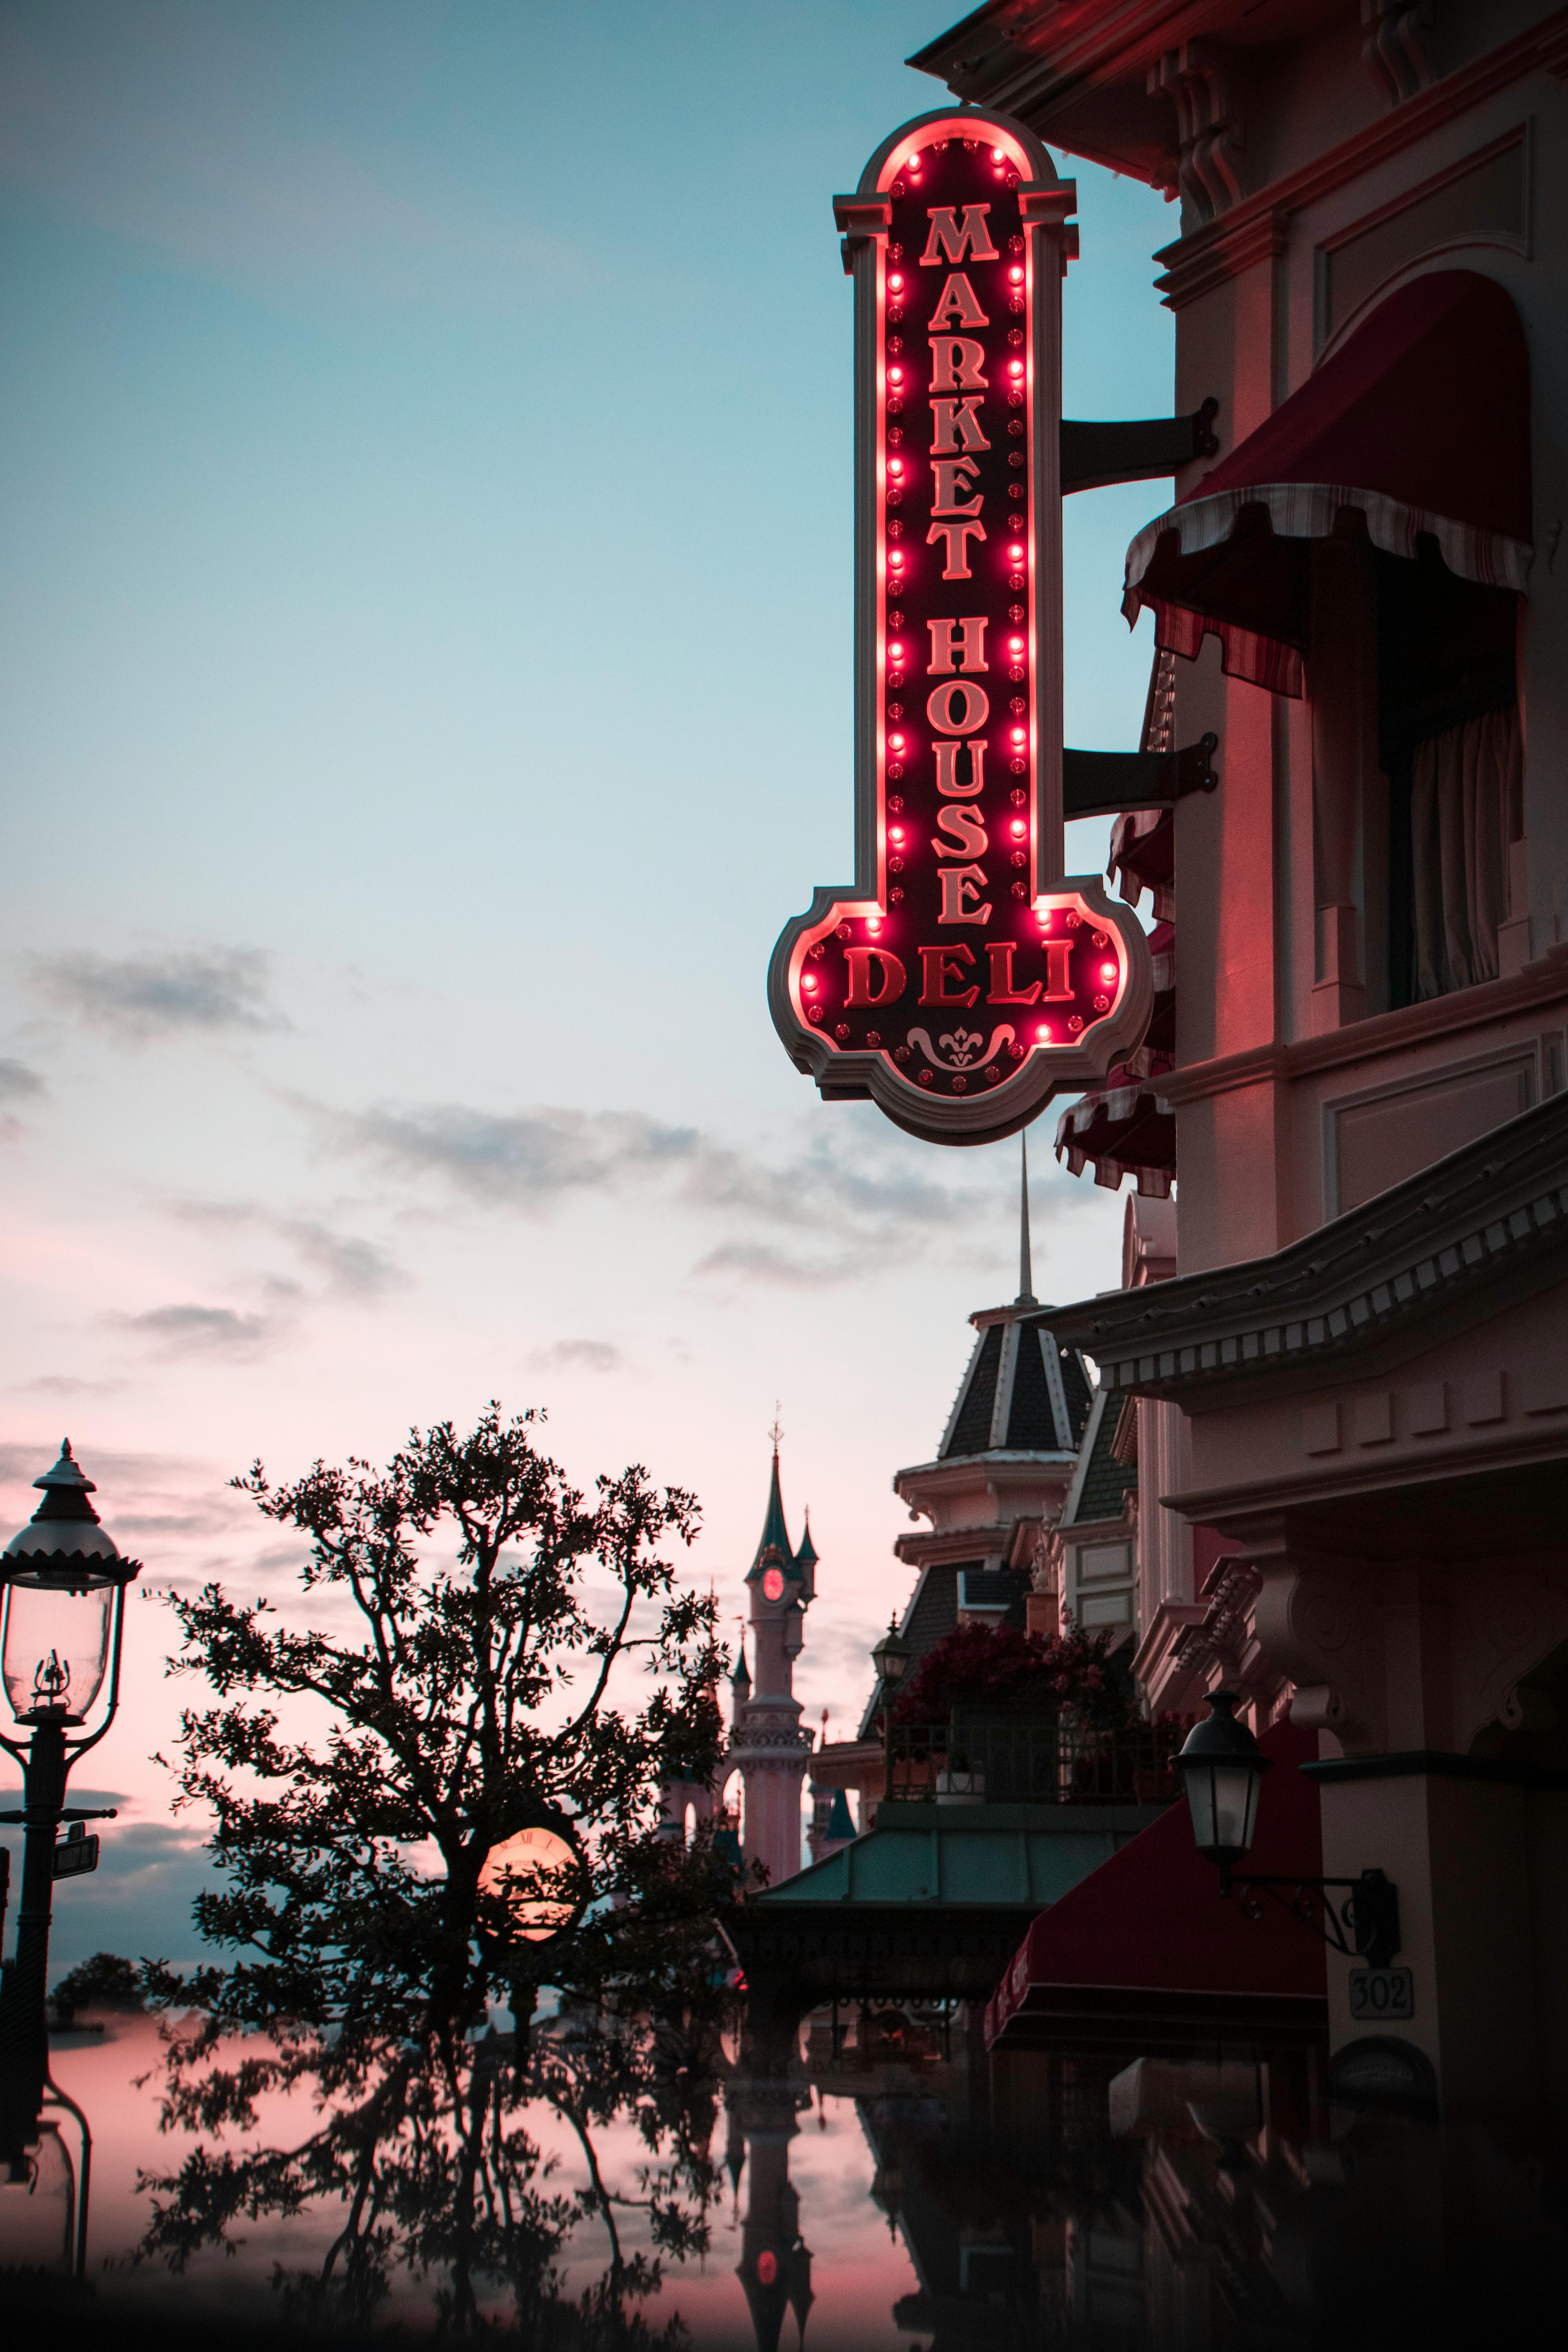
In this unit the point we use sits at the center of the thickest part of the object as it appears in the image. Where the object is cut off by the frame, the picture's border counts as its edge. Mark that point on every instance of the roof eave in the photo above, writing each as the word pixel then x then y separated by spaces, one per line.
pixel 1440 1246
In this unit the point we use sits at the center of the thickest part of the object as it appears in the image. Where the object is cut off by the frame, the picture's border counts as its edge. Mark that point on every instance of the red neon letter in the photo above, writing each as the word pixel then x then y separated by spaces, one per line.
pixel 957 306
pixel 1002 989
pixel 957 363
pixel 955 538
pixel 947 768
pixel 939 965
pixel 957 905
pixel 861 991
pixel 954 479
pixel 949 242
pixel 967 827
pixel 955 425
pixel 1059 987
pixel 959 707
pixel 957 644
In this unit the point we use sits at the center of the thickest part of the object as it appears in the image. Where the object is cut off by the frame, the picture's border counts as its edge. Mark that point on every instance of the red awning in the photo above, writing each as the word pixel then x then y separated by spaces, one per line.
pixel 1148 1935
pixel 1420 421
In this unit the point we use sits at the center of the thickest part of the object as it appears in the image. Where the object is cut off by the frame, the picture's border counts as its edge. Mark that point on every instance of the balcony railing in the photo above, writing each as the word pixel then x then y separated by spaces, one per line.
pixel 1033 1762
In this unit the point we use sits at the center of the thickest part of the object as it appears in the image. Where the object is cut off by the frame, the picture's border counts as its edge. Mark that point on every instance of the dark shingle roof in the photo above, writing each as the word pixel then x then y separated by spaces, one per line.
pixel 1031 1416
pixel 1106 1481
pixel 972 1431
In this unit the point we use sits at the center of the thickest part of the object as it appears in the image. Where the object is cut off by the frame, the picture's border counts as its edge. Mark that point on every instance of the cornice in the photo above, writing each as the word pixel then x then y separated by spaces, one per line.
pixel 1196 264
pixel 1493 1211
pixel 1540 983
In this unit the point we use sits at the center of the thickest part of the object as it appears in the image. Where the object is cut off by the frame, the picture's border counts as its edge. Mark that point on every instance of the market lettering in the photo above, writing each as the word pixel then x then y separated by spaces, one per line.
pixel 956 425
pixel 957 306
pixel 956 364
pixel 954 479
pixel 949 241
pixel 953 539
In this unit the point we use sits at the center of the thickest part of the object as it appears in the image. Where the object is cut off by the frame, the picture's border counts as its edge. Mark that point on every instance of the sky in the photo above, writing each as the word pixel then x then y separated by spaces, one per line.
pixel 426 571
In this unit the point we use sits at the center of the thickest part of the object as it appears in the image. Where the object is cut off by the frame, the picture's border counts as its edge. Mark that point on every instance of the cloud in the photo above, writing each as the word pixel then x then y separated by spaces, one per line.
pixel 17 1082
pixel 757 1261
pixel 64 1384
pixel 860 1196
pixel 144 996
pixel 358 1269
pixel 578 1356
pixel 527 1159
pixel 190 1330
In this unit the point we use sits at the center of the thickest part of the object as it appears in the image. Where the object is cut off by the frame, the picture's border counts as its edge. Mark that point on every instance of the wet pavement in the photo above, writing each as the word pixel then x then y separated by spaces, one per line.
pixel 886 2186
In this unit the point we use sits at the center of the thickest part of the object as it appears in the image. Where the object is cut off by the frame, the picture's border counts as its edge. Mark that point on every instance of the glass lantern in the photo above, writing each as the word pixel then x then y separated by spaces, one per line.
pixel 1223 1768
pixel 63 1575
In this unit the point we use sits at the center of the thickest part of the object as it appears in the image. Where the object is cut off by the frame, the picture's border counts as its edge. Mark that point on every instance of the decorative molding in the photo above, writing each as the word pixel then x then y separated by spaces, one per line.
pixel 1210 137
pixel 1542 983
pixel 1496 1209
pixel 1394 50
pixel 1198 262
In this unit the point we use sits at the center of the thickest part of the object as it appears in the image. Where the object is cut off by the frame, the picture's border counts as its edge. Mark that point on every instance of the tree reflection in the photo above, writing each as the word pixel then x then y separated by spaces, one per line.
pixel 451 2169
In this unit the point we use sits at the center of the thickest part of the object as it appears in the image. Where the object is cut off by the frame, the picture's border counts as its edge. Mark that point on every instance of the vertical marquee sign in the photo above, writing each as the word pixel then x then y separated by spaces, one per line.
pixel 961 981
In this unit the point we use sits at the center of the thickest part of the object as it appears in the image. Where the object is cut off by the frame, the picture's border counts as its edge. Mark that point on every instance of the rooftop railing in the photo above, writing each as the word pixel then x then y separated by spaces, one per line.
pixel 1050 1762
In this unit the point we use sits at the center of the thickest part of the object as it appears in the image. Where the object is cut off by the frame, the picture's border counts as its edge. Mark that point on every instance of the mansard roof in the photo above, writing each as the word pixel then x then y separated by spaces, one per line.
pixel 1490 1221
pixel 1102 1482
pixel 1022 1391
pixel 933 1612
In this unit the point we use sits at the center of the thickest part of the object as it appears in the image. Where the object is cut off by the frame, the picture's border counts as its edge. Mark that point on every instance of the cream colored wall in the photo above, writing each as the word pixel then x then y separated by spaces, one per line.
pixel 1253 1169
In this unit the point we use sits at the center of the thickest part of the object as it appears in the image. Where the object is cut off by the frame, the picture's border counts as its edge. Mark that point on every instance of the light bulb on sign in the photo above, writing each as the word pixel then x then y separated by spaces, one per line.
pixel 1107 971
pixel 1016 554
pixel 895 283
pixel 895 375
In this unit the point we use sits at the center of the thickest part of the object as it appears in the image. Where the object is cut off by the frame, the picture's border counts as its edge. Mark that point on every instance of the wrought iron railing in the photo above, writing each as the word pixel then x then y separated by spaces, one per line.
pixel 1032 1761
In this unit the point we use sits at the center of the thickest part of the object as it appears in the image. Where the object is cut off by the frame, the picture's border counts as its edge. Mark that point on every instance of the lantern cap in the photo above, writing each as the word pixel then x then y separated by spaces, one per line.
pixel 64 1535
pixel 1220 1739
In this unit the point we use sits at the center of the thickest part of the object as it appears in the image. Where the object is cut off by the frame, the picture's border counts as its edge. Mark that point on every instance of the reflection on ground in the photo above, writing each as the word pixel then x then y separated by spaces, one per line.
pixel 883 2184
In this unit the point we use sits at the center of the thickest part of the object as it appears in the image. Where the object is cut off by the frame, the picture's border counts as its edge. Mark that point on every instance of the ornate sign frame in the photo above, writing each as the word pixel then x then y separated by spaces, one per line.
pixel 959 995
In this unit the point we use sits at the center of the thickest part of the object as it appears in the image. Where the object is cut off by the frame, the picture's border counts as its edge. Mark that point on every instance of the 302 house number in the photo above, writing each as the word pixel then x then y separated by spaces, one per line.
pixel 1381 1993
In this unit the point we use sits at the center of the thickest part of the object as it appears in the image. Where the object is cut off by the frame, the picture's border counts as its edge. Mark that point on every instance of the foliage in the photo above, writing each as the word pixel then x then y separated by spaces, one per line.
pixel 106 1982
pixel 476 1701
pixel 440 2169
pixel 988 1665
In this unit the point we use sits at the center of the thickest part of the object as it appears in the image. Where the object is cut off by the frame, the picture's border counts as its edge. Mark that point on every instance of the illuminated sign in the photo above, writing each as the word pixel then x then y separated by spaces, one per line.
pixel 961 981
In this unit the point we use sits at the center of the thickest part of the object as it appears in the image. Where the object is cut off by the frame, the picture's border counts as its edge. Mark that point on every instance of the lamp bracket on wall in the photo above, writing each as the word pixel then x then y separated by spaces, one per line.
pixel 1364 1926
pixel 1093 456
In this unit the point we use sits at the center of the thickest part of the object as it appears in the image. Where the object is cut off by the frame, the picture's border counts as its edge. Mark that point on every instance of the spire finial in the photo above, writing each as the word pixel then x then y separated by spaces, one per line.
pixel 1026 1272
pixel 776 1431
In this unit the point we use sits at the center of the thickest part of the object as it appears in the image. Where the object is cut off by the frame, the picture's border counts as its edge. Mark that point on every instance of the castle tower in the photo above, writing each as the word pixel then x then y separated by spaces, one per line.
pixel 767 1740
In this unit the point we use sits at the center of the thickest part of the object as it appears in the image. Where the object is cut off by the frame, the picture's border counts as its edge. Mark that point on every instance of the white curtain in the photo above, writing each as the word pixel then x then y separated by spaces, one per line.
pixel 1466 807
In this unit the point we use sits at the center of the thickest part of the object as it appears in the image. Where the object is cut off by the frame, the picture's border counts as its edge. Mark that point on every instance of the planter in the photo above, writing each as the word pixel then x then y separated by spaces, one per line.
pixel 955 1787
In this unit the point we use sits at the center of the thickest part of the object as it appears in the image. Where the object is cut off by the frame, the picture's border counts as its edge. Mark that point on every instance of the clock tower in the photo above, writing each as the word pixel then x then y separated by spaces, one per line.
pixel 766 1741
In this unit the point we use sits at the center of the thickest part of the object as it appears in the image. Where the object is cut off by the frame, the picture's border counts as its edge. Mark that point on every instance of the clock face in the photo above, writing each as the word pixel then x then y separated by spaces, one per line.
pixel 772 1584
pixel 517 1859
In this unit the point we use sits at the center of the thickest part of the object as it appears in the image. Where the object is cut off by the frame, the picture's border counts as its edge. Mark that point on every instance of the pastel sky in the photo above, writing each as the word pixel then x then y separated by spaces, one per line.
pixel 425 665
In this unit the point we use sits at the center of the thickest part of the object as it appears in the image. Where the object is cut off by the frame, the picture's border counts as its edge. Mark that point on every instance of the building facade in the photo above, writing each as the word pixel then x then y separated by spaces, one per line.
pixel 1350 1417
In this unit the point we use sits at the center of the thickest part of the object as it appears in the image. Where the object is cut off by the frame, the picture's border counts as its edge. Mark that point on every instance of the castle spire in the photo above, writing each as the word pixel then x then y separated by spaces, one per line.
pixel 1026 1272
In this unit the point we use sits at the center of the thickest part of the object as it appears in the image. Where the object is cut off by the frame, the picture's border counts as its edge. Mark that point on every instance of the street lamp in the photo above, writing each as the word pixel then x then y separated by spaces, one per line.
pixel 891 1657
pixel 1223 1768
pixel 63 1579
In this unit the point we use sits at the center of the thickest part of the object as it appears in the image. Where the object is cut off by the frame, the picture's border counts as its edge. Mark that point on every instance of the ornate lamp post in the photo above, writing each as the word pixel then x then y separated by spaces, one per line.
pixel 63 1580
pixel 1223 1768
pixel 891 1658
